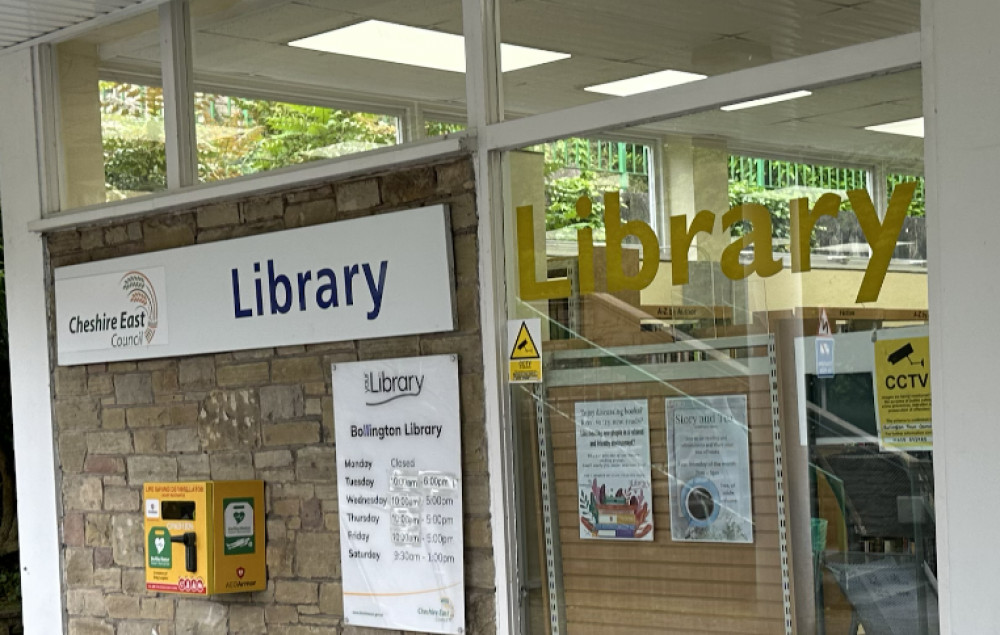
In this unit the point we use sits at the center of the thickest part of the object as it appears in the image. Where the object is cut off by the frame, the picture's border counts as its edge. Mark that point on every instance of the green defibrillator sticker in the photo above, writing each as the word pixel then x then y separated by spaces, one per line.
pixel 237 518
pixel 159 548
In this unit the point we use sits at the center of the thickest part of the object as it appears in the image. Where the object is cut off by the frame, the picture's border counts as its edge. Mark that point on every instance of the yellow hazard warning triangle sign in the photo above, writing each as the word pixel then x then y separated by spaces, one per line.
pixel 524 347
pixel 525 338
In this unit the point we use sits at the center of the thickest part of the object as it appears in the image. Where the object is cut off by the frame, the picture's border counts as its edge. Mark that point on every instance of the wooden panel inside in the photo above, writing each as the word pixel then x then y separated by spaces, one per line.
pixel 664 586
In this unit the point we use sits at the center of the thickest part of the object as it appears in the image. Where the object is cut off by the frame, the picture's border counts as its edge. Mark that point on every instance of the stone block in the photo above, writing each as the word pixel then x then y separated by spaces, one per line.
pixel 131 389
pixel 296 370
pixel 85 602
pixel 454 177
pixel 180 440
pixel 263 208
pixel 109 579
pixel 63 241
pixel 310 213
pixel 247 620
pixel 194 467
pixel 480 613
pixel 331 598
pixel 357 195
pixel 121 499
pixel 83 493
pixel 151 468
pixel 78 413
pixel 409 186
pixel 165 382
pixel 83 626
pixel 73 531
pixel 112 418
pixel 469 349
pixel 70 381
pixel 316 464
pixel 127 540
pixel 122 606
pixel 200 617
pixel 134 581
pixel 229 420
pixel 237 375
pixel 116 235
pixel 295 592
pixel 391 347
pixel 150 441
pixel 298 433
pixel 280 557
pixel 280 614
pixel 196 373
pixel 218 215
pixel 479 570
pixel 317 555
pixel 97 530
pixel 269 459
pixel 162 415
pixel 281 403
pixel 92 238
pixel 110 442
pixel 79 566
pixel 158 608
pixel 312 514
pixel 72 451
pixel 231 466
pixel 165 232
pixel 100 384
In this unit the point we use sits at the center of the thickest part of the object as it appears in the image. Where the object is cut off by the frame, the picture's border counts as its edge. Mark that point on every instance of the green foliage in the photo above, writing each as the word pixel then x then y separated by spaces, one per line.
pixel 135 165
pixel 438 128
pixel 561 194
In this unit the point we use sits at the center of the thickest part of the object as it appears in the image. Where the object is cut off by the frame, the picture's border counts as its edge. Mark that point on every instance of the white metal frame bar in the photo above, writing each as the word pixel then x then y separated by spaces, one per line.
pixel 483 98
pixel 178 94
pixel 22 183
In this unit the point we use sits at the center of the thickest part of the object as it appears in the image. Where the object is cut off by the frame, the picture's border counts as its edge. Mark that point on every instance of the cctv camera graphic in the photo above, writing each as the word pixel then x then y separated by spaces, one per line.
pixel 189 540
pixel 903 352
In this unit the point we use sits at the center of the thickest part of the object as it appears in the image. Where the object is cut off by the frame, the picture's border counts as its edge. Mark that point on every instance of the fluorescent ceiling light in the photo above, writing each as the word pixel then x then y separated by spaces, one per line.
pixel 388 42
pixel 645 83
pixel 767 100
pixel 908 127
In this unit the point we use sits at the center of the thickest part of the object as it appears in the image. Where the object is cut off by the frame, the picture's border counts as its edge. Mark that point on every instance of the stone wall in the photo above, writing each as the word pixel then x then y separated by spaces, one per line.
pixel 264 414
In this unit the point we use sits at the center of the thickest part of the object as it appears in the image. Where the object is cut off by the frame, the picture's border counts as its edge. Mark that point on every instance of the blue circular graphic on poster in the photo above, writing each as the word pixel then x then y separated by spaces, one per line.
pixel 700 501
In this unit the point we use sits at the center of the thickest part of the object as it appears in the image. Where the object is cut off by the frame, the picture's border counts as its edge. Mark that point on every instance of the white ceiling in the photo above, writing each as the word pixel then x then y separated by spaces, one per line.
pixel 25 20
pixel 245 42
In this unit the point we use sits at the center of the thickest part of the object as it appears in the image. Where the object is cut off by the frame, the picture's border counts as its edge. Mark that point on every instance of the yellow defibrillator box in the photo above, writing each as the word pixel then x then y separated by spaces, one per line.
pixel 204 537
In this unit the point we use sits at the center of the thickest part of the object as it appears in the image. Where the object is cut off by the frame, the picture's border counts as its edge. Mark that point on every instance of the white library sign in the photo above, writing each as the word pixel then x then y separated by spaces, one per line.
pixel 399 481
pixel 379 276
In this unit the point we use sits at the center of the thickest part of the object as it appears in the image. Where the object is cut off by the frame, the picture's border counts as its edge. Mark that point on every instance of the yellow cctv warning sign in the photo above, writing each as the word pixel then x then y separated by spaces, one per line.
pixel 903 393
pixel 525 350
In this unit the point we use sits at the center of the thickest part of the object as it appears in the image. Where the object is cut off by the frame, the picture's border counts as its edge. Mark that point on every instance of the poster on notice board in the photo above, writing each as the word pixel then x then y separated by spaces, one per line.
pixel 708 454
pixel 613 470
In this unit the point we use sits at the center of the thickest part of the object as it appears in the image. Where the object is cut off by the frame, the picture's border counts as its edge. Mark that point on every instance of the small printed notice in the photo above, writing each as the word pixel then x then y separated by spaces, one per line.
pixel 708 450
pixel 399 468
pixel 903 393
pixel 525 343
pixel 613 470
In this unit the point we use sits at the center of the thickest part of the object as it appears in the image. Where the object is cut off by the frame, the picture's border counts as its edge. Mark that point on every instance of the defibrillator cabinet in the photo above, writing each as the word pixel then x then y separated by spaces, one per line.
pixel 204 537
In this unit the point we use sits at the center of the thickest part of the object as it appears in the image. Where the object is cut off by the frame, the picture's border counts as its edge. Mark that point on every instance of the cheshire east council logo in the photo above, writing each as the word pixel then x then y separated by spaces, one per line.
pixel 140 292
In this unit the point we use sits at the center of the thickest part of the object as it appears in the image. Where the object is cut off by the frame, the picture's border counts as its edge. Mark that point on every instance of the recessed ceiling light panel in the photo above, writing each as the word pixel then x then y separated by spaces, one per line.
pixel 400 44
pixel 908 127
pixel 645 83
pixel 767 100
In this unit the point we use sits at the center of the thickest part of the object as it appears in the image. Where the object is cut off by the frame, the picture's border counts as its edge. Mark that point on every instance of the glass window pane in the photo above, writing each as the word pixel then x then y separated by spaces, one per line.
pixel 110 115
pixel 719 373
pixel 573 53
pixel 239 136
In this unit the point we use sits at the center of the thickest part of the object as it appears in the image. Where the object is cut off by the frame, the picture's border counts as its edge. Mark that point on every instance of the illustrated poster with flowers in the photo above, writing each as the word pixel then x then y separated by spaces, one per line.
pixel 613 470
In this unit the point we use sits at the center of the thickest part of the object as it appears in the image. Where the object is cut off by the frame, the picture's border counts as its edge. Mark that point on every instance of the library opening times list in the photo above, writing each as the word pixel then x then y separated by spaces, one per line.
pixel 400 491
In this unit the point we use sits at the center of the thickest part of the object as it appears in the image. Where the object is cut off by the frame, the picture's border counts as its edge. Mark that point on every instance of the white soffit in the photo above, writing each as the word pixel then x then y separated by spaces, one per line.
pixel 25 20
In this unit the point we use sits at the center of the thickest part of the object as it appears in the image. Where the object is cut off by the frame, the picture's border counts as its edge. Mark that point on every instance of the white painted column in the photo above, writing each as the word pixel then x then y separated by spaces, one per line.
pixel 961 93
pixel 21 187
